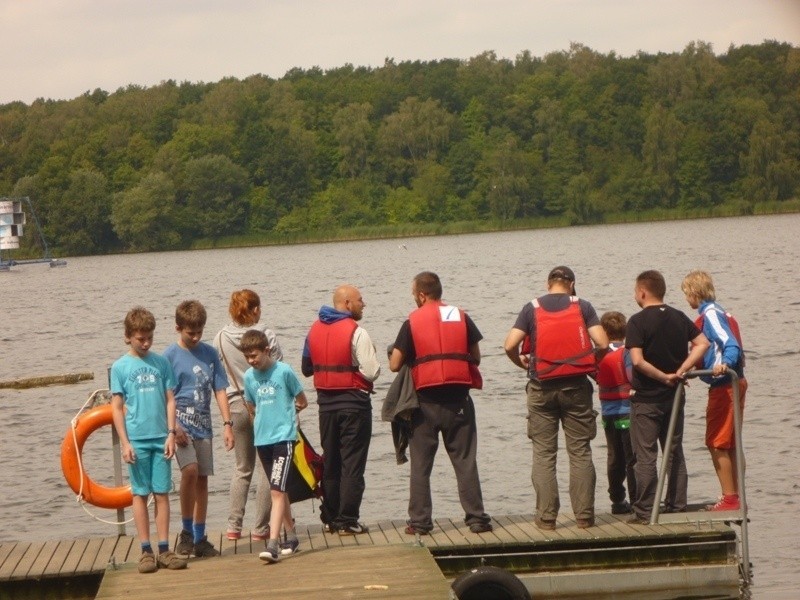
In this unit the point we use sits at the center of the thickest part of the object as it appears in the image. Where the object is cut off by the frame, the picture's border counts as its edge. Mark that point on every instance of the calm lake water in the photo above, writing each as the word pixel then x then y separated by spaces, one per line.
pixel 55 321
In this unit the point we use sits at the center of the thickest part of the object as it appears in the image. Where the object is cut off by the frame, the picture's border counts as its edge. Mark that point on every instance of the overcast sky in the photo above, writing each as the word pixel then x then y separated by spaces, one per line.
pixel 63 48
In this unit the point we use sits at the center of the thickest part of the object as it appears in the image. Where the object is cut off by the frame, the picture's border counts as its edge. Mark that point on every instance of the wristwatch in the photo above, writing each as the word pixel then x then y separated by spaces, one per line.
pixel 227 423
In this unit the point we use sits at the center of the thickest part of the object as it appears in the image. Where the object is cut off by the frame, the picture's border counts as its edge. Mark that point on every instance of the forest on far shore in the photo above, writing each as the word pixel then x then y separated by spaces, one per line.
pixel 573 137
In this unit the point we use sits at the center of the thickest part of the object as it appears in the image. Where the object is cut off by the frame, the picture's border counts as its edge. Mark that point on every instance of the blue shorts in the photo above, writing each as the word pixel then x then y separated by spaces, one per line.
pixel 277 461
pixel 151 472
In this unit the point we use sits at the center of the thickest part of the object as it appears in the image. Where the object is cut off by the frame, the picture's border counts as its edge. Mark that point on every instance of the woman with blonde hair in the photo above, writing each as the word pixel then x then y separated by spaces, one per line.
pixel 245 311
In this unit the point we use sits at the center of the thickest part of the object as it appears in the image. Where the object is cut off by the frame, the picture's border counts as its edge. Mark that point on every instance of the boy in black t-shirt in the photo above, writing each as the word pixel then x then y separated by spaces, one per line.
pixel 658 338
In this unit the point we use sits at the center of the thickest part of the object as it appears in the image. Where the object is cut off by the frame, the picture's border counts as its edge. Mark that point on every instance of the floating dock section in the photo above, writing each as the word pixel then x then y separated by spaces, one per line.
pixel 611 559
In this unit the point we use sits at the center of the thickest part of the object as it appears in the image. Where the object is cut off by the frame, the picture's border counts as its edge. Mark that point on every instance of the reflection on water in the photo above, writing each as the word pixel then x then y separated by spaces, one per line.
pixel 55 321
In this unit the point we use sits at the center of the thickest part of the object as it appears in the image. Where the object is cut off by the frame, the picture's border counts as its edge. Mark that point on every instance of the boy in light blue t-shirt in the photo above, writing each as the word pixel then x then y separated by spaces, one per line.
pixel 273 392
pixel 199 376
pixel 143 409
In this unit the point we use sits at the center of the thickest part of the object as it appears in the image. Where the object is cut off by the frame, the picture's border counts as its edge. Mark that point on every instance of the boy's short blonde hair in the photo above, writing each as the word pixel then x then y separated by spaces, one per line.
pixel 190 313
pixel 139 319
pixel 613 323
pixel 253 339
pixel 699 284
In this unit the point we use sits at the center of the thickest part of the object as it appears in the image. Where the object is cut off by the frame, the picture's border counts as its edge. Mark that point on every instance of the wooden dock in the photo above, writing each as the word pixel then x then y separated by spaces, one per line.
pixel 613 556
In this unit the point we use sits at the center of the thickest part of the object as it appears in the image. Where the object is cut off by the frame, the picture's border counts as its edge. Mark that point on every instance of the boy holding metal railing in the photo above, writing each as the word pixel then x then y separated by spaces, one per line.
pixel 725 352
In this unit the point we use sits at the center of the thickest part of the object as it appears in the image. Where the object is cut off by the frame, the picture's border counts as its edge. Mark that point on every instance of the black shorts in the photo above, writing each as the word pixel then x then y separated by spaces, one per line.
pixel 276 460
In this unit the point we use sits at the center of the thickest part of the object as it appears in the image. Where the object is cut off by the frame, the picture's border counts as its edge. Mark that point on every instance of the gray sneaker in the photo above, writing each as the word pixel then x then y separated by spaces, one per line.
pixel 185 543
pixel 170 560
pixel 147 563
pixel 204 548
pixel 270 555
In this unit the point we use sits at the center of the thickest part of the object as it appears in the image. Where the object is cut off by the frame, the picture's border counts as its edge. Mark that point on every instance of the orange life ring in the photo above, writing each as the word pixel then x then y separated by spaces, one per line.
pixel 92 492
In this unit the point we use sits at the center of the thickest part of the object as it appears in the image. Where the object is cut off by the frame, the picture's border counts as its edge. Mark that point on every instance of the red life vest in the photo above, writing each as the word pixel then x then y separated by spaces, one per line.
pixel 330 346
pixel 563 347
pixel 439 333
pixel 611 377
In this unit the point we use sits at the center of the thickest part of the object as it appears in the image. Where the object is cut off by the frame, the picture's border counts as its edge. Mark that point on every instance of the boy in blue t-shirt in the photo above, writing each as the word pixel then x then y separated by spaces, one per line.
pixel 199 376
pixel 143 409
pixel 272 390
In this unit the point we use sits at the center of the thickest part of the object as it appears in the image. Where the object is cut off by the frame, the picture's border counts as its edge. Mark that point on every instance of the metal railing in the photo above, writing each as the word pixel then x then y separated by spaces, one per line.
pixel 737 429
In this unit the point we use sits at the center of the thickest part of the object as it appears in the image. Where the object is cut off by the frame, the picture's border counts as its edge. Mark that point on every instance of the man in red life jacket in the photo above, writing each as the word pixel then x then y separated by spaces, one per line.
pixel 440 343
pixel 342 358
pixel 566 341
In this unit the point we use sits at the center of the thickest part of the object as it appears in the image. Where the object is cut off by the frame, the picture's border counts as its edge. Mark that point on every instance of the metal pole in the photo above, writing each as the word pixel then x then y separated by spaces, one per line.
pixel 115 450
pixel 666 451
pixel 737 428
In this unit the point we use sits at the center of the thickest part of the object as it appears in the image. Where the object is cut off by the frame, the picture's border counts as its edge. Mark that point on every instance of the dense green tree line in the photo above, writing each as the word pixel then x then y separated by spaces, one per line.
pixel 575 134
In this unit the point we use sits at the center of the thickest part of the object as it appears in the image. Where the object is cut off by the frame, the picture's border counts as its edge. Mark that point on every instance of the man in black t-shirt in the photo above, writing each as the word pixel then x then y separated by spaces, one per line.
pixel 658 338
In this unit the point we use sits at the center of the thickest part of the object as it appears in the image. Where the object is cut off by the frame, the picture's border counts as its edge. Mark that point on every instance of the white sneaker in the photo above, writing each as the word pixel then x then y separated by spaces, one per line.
pixel 271 556
pixel 290 547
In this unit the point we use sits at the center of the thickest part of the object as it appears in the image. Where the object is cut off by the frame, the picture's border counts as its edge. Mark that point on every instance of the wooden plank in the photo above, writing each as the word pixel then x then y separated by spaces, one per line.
pixel 12 560
pixel 376 536
pixel 585 534
pixel 511 529
pixel 565 528
pixel 89 556
pixel 435 539
pixel 614 528
pixel 223 544
pixel 74 556
pixel 525 522
pixel 332 539
pixel 316 537
pixel 123 550
pixel 392 535
pixel 59 555
pixel 27 560
pixel 227 546
pixel 476 539
pixel 347 540
pixel 502 535
pixel 104 554
pixel 450 530
pixel 5 550
pixel 386 572
pixel 37 569
pixel 400 528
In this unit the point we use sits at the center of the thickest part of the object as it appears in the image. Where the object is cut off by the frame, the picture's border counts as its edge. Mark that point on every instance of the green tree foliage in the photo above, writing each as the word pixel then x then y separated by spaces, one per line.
pixel 81 221
pixel 574 136
pixel 214 196
pixel 146 217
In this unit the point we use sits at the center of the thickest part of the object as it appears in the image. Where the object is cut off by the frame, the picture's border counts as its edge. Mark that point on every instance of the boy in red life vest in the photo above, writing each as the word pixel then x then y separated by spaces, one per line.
pixel 613 381
pixel 725 352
